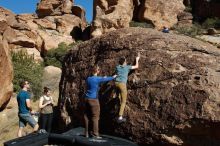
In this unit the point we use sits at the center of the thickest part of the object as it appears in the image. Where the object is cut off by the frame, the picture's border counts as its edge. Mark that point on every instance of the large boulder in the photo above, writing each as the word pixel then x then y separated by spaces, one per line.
pixel 51 39
pixel 6 18
pixel 54 7
pixel 173 97
pixel 27 40
pixel 185 19
pixel 115 14
pixel 3 23
pixel 45 23
pixel 51 79
pixel 160 12
pixel 37 35
pixel 215 40
pixel 80 12
pixel 52 30
pixel 111 15
pixel 23 41
pixel 20 35
pixel 29 19
pixel 66 23
pixel 6 77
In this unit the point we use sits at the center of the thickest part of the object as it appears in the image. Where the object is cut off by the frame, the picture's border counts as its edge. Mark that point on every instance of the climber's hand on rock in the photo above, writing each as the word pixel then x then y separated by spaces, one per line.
pixel 114 76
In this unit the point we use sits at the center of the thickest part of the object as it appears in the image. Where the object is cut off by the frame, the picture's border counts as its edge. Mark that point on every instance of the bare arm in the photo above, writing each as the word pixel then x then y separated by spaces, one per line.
pixel 28 103
pixel 52 101
pixel 137 62
pixel 41 105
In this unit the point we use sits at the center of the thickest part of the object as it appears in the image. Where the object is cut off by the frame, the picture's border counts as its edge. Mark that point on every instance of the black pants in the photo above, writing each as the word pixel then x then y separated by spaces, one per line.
pixel 46 121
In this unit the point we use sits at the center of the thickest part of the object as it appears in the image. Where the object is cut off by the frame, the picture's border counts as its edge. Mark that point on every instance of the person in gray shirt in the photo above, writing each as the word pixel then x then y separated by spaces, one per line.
pixel 122 71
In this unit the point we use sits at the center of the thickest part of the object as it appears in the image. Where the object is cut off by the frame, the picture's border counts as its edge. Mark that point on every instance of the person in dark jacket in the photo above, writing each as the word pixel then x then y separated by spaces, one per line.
pixel 165 29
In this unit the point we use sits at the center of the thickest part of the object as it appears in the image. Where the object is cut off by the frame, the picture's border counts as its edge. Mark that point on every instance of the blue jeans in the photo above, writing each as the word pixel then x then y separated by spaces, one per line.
pixel 26 118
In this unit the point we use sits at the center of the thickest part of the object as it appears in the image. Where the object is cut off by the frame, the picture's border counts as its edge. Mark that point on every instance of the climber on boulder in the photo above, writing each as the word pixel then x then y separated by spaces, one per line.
pixel 122 71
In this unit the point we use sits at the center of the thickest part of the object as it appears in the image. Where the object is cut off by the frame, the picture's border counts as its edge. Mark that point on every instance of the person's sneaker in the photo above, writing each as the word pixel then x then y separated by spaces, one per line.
pixel 96 137
pixel 121 120
pixel 41 131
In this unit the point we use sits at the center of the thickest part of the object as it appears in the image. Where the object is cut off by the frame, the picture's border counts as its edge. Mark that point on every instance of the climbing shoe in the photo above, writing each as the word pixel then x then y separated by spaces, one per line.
pixel 96 137
pixel 121 120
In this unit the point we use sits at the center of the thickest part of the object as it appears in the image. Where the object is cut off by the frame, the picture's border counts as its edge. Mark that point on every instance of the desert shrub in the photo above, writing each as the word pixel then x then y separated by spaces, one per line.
pixel 192 31
pixel 26 68
pixel 55 56
pixel 211 23
pixel 140 24
pixel 188 9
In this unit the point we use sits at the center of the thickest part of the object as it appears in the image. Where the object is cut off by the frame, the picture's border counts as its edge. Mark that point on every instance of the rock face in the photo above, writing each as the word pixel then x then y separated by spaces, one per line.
pixel 6 77
pixel 54 7
pixel 80 12
pixel 212 39
pixel 173 98
pixel 114 14
pixel 36 34
pixel 111 15
pixel 6 18
pixel 185 19
pixel 160 12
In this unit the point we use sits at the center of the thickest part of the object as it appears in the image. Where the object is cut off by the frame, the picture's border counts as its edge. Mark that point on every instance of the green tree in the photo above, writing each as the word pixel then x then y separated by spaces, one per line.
pixel 26 68
pixel 55 56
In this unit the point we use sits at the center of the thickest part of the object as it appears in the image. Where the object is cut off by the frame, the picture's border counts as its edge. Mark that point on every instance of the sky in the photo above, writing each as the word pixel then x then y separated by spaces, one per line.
pixel 29 6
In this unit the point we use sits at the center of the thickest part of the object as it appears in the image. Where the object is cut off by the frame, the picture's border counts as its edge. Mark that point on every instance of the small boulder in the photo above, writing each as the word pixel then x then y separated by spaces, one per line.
pixel 212 31
pixel 51 79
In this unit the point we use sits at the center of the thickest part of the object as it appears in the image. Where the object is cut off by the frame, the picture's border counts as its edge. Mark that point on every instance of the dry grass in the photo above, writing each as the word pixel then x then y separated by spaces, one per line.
pixel 9 121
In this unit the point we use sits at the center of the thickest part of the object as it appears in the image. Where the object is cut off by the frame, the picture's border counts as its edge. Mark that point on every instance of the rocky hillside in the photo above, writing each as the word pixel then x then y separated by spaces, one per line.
pixel 55 22
pixel 173 98
pixel 114 14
